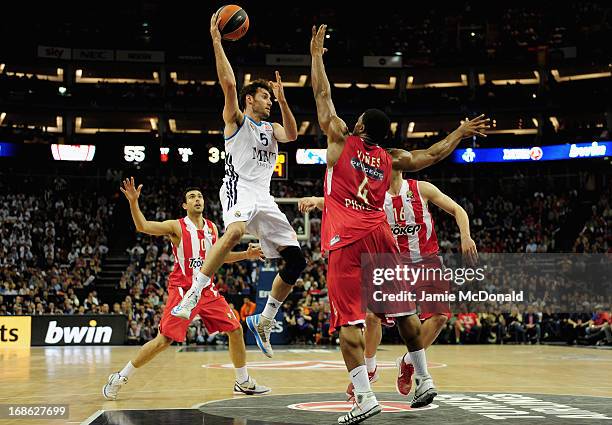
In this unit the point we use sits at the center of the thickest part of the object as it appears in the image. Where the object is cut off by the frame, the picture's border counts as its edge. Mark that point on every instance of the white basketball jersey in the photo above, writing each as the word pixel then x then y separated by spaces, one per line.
pixel 250 156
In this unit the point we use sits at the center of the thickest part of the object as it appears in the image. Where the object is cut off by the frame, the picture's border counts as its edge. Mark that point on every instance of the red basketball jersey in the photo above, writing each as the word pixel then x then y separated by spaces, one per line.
pixel 189 255
pixel 411 223
pixel 355 189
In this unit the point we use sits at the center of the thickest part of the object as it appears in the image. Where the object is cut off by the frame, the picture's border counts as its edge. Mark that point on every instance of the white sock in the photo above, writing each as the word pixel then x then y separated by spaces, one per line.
pixel 407 358
pixel 127 370
pixel 359 378
pixel 371 364
pixel 419 361
pixel 271 308
pixel 242 375
pixel 200 282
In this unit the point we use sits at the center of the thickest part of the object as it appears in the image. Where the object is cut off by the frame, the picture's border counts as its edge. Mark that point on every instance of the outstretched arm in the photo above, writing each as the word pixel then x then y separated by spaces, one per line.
pixel 232 115
pixel 435 195
pixel 254 252
pixel 419 159
pixel 330 123
pixel 288 132
pixel 155 228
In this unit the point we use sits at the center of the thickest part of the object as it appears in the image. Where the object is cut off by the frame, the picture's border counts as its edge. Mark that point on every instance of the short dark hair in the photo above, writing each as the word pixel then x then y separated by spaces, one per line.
pixel 189 189
pixel 376 125
pixel 251 89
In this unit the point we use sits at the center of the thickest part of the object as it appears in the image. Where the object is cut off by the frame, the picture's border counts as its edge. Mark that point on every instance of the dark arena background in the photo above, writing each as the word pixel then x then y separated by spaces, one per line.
pixel 95 93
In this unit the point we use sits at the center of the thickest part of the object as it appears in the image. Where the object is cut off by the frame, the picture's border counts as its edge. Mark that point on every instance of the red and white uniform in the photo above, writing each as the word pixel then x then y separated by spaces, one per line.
pixel 189 256
pixel 354 223
pixel 411 223
pixel 413 227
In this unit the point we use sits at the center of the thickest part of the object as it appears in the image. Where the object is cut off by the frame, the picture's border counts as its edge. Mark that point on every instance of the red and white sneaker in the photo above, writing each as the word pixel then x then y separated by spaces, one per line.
pixel 403 384
pixel 372 376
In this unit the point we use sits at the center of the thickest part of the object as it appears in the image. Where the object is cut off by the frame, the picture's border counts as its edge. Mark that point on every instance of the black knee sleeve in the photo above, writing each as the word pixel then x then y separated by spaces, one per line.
pixel 295 263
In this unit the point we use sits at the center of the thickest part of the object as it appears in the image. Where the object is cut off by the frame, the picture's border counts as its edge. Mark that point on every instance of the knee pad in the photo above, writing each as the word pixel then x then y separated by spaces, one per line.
pixel 295 263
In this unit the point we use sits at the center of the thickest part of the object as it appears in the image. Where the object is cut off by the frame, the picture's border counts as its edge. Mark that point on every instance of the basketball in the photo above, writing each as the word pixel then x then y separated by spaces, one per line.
pixel 233 22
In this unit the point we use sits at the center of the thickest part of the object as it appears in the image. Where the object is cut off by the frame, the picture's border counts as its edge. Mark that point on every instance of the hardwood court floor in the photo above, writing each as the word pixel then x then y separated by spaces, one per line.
pixel 177 378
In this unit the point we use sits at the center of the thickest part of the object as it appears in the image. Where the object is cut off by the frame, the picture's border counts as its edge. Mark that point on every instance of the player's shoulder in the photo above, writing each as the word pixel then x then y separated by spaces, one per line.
pixel 425 187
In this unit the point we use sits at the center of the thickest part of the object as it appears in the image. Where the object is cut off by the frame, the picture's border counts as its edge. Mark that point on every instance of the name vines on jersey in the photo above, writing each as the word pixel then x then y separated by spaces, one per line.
pixel 371 167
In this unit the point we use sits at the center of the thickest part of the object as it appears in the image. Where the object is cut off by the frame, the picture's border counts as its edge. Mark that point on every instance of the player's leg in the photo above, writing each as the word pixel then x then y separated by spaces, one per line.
pixel 215 257
pixel 217 316
pixel 278 239
pixel 261 324
pixel 372 336
pixel 409 327
pixel 146 353
pixel 431 328
pixel 344 290
pixel 170 329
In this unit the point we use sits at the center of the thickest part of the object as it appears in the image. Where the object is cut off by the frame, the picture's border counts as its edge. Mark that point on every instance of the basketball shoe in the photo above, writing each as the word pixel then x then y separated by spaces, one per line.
pixel 112 387
pixel 372 376
pixel 250 387
pixel 365 406
pixel 187 304
pixel 424 392
pixel 261 327
pixel 403 384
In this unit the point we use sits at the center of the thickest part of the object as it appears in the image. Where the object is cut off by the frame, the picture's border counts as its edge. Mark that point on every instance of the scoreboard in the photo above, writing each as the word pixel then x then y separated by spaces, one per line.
pixel 150 155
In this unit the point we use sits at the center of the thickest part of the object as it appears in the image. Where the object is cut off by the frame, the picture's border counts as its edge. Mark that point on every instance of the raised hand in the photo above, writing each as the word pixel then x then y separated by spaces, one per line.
pixel 316 42
pixel 214 27
pixel 277 88
pixel 129 189
pixel 475 127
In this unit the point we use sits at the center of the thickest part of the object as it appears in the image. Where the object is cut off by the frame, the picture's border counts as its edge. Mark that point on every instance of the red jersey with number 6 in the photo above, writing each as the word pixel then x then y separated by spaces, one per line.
pixel 355 189
pixel 189 255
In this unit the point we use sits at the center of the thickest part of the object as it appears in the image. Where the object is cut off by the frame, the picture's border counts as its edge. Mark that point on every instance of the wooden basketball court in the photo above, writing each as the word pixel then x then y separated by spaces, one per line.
pixel 185 377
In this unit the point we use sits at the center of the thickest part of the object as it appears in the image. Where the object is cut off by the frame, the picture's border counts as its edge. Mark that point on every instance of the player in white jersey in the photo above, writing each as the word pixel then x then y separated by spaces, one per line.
pixel 191 237
pixel 406 206
pixel 251 147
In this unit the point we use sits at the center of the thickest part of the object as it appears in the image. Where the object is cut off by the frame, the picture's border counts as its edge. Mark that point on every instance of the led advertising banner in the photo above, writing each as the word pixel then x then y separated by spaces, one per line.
pixel 535 153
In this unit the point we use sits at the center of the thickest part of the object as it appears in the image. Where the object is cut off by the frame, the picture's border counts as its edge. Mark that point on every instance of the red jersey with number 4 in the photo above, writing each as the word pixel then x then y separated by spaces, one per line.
pixel 411 223
pixel 189 255
pixel 355 189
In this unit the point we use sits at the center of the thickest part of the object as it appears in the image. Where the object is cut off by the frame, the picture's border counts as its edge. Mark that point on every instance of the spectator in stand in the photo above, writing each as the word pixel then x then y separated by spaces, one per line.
pixel 467 327
pixel 531 321
pixel 133 335
pixel 247 309
pixel 514 320
pixel 595 331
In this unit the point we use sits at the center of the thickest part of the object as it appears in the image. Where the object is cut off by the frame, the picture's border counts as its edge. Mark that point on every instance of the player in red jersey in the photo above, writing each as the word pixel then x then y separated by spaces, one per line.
pixel 354 224
pixel 191 237
pixel 408 215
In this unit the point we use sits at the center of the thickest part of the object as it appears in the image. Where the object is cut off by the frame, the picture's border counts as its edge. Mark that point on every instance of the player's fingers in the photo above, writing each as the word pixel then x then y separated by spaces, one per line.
pixel 139 188
pixel 122 190
pixel 314 31
pixel 321 31
pixel 278 77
